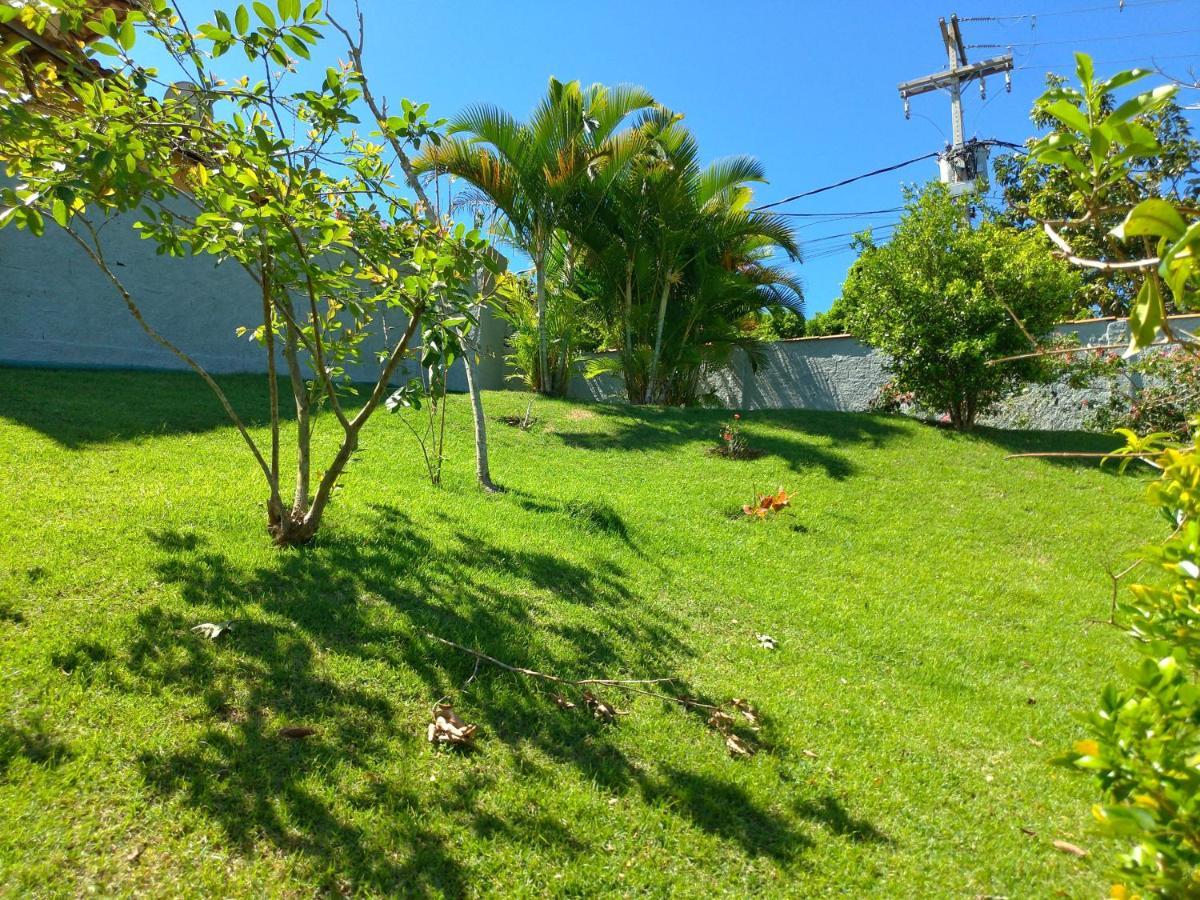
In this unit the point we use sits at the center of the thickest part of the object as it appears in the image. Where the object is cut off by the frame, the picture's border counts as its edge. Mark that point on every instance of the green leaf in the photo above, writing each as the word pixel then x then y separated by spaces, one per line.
pixel 265 14
pixel 1070 115
pixel 1121 79
pixel 241 20
pixel 58 209
pixel 128 36
pixel 1151 218
pixel 1084 69
pixel 1142 104
pixel 1063 158
pixel 1146 316
pixel 312 10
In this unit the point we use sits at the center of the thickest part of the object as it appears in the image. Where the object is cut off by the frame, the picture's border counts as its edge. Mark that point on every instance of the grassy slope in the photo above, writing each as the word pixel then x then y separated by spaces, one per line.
pixel 930 600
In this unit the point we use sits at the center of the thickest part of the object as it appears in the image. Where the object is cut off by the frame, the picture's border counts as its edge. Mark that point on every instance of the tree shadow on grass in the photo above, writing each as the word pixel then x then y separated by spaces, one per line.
pixel 30 740
pixel 77 408
pixel 1014 442
pixel 368 600
pixel 816 434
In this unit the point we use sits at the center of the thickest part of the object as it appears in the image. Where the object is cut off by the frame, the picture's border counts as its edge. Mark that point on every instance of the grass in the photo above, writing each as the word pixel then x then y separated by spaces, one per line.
pixel 932 604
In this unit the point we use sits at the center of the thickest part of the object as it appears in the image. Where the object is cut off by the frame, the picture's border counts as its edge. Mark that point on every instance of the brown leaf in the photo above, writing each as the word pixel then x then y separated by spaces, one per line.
pixel 562 702
pixel 1064 847
pixel 721 721
pixel 295 732
pixel 738 747
pixel 749 713
pixel 135 854
pixel 811 754
pixel 1028 831
pixel 599 708
pixel 448 728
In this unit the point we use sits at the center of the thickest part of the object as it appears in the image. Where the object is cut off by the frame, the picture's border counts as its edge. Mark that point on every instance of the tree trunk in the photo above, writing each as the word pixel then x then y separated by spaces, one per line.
pixel 294 530
pixel 652 380
pixel 482 469
pixel 540 383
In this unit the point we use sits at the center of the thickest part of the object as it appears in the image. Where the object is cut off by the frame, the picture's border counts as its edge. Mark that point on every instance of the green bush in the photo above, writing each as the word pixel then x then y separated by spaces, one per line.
pixel 942 299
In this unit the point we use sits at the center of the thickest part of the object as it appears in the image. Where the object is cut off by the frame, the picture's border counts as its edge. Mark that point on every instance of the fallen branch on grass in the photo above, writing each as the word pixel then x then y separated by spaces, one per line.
pixel 632 686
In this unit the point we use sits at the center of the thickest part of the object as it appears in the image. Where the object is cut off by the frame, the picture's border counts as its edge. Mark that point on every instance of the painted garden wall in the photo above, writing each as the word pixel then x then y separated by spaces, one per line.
pixel 58 309
pixel 840 373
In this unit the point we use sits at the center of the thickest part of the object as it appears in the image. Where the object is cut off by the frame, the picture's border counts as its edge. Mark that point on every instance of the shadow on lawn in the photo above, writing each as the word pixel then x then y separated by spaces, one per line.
pixel 1056 442
pixel 331 602
pixel 77 408
pixel 653 428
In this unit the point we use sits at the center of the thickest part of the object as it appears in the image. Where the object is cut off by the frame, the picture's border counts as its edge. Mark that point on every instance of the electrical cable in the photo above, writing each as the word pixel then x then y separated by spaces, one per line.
pixel 1066 12
pixel 845 181
pixel 846 215
pixel 1080 41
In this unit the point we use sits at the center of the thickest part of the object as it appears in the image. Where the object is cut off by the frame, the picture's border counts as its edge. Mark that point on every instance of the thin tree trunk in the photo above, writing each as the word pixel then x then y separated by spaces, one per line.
pixel 275 504
pixel 539 264
pixel 482 469
pixel 431 216
pixel 303 531
pixel 303 426
pixel 652 381
pixel 629 356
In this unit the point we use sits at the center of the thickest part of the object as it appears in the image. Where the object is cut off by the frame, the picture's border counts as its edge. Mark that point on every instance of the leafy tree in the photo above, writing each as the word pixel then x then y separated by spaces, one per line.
pixel 1144 752
pixel 944 299
pixel 832 321
pixel 533 172
pixel 777 322
pixel 217 170
pixel 1035 190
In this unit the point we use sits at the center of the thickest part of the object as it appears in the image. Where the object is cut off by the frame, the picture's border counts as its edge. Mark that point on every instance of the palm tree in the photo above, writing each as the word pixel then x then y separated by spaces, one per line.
pixel 685 261
pixel 533 172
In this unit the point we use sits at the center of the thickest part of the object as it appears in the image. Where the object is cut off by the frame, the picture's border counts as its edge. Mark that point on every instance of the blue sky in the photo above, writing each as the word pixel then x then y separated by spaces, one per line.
pixel 808 88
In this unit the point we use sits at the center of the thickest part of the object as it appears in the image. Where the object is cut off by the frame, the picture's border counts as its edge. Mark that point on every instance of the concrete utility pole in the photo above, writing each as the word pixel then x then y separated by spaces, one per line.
pixel 963 161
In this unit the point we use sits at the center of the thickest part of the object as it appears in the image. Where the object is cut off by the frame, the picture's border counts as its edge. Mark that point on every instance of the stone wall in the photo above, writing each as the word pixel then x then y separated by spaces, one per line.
pixel 839 373
pixel 58 309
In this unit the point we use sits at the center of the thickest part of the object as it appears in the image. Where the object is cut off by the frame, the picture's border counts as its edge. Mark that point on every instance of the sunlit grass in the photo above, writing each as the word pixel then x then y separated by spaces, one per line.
pixel 933 605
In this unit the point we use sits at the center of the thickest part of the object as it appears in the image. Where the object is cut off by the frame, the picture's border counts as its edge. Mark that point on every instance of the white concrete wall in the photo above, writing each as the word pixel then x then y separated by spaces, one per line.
pixel 840 373
pixel 58 309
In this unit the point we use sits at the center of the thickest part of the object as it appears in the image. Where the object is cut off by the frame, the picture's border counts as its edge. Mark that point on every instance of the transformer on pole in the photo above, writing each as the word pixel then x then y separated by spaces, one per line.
pixel 963 161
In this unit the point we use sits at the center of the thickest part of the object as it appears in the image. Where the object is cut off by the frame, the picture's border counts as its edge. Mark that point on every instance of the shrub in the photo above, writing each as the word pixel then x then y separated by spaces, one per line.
pixel 943 300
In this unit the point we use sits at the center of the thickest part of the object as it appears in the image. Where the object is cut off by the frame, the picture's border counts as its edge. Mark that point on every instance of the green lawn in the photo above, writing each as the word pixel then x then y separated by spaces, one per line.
pixel 932 603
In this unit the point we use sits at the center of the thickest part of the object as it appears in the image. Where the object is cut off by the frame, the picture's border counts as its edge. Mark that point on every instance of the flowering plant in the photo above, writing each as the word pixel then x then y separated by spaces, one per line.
pixel 733 442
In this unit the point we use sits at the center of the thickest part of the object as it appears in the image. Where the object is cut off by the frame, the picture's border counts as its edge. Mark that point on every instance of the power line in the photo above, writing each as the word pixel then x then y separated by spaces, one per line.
pixel 845 181
pixel 1110 62
pixel 847 215
pixel 1065 12
pixel 1080 41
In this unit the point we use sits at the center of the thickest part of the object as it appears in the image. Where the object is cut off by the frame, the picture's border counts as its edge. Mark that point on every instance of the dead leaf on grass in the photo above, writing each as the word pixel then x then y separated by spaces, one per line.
pixel 766 641
pixel 599 708
pixel 448 728
pixel 211 630
pixel 721 721
pixel 738 747
pixel 749 713
pixel 1066 847
pixel 296 732
pixel 562 702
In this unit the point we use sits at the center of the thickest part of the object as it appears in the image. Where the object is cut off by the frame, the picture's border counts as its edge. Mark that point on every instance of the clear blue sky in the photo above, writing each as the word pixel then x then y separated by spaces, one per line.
pixel 809 88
